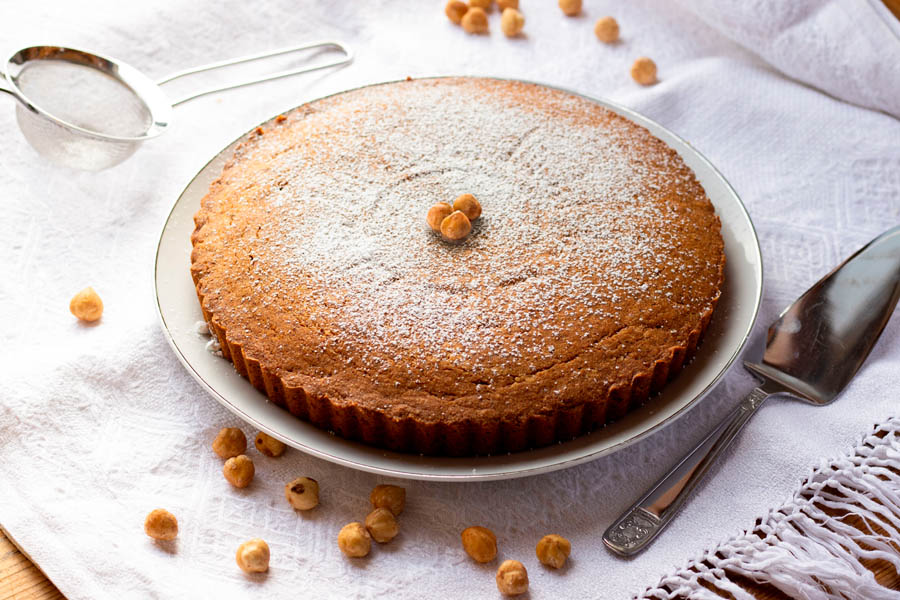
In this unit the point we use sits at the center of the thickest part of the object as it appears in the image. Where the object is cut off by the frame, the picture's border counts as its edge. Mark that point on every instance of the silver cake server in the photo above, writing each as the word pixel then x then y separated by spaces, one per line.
pixel 812 351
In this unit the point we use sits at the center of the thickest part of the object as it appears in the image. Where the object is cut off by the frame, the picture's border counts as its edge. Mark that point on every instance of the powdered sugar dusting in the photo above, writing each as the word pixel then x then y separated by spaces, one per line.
pixel 573 228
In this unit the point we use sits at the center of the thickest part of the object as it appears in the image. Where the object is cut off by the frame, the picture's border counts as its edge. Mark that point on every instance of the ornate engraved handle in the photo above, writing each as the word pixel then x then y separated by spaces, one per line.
pixel 641 523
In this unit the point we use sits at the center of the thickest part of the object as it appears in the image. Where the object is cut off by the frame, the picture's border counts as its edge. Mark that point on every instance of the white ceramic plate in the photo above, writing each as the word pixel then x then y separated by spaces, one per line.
pixel 724 340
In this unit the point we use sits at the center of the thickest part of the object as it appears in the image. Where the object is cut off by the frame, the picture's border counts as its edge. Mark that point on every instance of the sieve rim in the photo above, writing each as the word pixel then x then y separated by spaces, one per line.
pixel 143 88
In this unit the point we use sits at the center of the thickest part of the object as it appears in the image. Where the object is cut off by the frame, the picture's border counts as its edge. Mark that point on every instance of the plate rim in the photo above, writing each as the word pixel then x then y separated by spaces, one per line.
pixel 512 473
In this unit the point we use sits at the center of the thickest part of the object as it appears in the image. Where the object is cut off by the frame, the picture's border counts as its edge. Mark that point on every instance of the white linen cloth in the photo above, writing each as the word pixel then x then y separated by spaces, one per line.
pixel 100 424
pixel 814 545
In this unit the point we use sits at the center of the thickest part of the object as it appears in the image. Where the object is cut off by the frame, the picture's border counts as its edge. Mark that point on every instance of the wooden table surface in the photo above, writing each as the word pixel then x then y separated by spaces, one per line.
pixel 20 579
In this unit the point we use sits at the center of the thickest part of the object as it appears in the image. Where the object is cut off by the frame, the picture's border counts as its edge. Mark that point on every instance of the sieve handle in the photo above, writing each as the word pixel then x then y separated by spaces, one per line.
pixel 346 58
pixel 4 85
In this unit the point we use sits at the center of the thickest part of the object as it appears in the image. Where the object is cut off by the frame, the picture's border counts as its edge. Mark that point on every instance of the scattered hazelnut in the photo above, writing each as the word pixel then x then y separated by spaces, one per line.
pixel 553 550
pixel 480 543
pixel 160 524
pixel 504 4
pixel 302 493
pixel 644 71
pixel 436 214
pixel 86 305
pixel 354 540
pixel 381 525
pixel 253 556
pixel 456 226
pixel 230 441
pixel 468 205
pixel 455 10
pixel 391 497
pixel 606 29
pixel 475 20
pixel 268 445
pixel 570 7
pixel 511 22
pixel 512 578
pixel 485 5
pixel 238 470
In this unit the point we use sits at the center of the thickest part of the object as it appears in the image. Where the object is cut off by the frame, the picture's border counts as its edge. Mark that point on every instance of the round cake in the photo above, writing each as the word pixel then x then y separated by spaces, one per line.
pixel 584 286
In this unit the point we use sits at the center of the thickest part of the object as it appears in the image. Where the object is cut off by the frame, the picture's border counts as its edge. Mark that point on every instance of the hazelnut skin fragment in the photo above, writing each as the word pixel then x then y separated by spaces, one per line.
pixel 253 556
pixel 229 442
pixel 553 550
pixel 475 20
pixel 160 524
pixel 86 305
pixel 480 543
pixel 354 541
pixel 239 471
pixel 512 578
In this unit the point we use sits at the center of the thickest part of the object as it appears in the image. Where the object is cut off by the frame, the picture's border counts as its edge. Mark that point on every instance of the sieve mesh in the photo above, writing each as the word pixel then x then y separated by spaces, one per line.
pixel 84 96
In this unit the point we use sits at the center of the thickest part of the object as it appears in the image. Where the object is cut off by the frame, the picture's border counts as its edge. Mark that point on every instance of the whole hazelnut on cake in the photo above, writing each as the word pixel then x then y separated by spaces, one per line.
pixel 239 471
pixel 504 4
pixel 553 550
pixel 455 10
pixel 468 205
pixel 480 543
pixel 253 556
pixel 512 578
pixel 160 524
pixel 475 20
pixel 570 7
pixel 512 22
pixel 456 226
pixel 482 4
pixel 644 71
pixel 229 442
pixel 86 305
pixel 436 215
pixel 606 29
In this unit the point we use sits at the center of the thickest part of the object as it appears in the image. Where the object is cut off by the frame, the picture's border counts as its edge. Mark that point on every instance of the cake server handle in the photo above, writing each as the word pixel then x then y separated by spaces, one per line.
pixel 345 57
pixel 634 530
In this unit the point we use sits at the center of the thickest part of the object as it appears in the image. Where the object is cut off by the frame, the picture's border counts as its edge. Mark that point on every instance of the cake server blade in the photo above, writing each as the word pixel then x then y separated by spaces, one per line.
pixel 813 350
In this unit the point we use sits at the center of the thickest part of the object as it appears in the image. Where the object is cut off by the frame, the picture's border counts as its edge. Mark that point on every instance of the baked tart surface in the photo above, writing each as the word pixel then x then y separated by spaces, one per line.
pixel 585 284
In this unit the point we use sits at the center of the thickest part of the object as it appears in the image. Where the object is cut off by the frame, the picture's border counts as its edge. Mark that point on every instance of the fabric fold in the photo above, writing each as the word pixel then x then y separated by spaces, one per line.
pixel 849 50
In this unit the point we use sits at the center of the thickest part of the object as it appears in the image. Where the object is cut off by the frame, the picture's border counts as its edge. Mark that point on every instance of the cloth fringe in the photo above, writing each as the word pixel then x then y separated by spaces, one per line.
pixel 846 511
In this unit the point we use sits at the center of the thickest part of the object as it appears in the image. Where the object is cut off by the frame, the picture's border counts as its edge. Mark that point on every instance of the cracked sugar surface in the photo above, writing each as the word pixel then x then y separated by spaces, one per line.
pixel 597 250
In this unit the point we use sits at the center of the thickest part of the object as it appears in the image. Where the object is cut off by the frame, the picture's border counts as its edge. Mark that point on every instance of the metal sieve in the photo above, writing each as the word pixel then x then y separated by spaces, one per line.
pixel 88 111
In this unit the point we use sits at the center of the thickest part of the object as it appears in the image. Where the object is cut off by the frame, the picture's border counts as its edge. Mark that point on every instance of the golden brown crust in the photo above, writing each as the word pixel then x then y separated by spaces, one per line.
pixel 515 412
